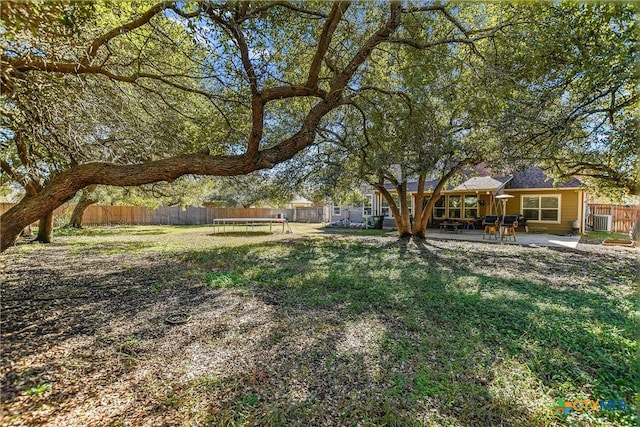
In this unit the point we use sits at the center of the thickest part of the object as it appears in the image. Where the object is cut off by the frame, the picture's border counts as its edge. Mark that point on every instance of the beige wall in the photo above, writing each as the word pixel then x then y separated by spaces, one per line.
pixel 570 208
pixel 486 209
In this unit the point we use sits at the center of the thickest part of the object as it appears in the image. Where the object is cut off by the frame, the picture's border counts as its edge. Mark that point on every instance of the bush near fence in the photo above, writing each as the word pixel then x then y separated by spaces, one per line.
pixel 171 215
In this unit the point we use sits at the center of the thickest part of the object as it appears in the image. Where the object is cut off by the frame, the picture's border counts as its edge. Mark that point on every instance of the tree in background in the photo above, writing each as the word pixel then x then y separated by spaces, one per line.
pixel 574 109
pixel 185 191
pixel 260 188
pixel 87 198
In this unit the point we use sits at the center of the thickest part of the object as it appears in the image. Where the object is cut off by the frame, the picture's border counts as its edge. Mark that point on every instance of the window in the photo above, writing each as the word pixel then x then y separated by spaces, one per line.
pixel 384 207
pixel 471 207
pixel 386 210
pixel 541 208
pixel 337 211
pixel 367 208
pixel 455 206
pixel 440 209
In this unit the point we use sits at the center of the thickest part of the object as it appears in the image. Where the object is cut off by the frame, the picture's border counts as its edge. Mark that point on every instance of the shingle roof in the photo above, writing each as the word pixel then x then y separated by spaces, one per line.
pixel 482 183
pixel 428 185
pixel 534 177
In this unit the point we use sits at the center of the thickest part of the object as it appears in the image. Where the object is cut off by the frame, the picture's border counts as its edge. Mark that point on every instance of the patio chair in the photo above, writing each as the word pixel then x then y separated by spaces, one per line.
pixel 509 226
pixel 491 226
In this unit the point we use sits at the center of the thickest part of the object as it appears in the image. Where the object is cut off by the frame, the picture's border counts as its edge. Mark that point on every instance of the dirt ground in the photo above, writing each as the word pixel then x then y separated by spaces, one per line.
pixel 86 341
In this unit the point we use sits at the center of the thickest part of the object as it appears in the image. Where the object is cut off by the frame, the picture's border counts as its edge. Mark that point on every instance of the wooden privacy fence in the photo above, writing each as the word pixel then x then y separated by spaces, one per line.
pixel 139 215
pixel 622 216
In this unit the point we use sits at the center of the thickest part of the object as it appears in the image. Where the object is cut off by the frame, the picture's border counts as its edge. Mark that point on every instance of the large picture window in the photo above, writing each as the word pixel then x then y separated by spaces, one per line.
pixel 541 208
pixel 455 206
pixel 440 209
pixel 386 210
pixel 471 207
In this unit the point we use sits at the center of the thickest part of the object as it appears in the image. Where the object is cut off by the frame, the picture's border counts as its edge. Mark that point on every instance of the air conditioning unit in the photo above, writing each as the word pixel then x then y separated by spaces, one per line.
pixel 602 223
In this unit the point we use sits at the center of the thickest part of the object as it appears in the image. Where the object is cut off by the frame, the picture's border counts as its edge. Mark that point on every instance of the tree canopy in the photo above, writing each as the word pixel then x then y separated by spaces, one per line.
pixel 510 101
pixel 131 93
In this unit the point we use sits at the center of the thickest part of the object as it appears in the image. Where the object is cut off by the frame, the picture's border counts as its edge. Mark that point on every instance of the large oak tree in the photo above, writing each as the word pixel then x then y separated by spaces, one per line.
pixel 517 99
pixel 260 57
pixel 271 74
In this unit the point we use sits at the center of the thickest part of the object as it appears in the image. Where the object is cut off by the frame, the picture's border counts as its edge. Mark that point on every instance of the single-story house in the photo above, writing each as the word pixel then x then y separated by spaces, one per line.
pixel 354 212
pixel 546 207
pixel 299 202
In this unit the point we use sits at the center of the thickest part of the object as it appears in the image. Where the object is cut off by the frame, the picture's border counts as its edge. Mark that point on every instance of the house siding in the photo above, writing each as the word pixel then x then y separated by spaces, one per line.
pixel 485 207
pixel 570 208
pixel 532 181
pixel 353 214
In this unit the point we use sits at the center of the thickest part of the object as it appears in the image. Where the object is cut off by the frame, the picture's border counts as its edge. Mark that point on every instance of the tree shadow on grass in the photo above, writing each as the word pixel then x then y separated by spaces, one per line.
pixel 480 329
pixel 322 331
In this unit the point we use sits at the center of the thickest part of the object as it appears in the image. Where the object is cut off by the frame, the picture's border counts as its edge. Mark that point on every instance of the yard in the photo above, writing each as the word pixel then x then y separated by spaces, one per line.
pixel 313 329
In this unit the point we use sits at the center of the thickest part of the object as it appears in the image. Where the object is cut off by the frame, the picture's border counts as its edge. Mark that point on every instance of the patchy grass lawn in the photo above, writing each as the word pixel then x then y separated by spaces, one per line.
pixel 313 329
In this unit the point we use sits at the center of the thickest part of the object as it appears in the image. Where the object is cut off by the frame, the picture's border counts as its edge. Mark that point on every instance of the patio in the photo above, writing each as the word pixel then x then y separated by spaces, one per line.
pixel 527 239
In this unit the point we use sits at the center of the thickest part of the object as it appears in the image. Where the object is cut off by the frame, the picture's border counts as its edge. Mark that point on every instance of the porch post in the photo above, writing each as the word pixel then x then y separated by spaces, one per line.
pixel 581 211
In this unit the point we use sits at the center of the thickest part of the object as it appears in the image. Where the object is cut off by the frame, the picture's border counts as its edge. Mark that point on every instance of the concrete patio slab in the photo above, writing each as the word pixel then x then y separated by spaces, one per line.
pixel 526 239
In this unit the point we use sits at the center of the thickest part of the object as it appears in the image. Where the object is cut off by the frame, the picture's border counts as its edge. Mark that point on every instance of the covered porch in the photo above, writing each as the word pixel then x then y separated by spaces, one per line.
pixel 470 201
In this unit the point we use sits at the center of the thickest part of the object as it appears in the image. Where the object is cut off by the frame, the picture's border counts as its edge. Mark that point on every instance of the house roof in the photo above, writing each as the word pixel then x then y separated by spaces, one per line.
pixel 412 186
pixel 300 199
pixel 534 177
pixel 483 183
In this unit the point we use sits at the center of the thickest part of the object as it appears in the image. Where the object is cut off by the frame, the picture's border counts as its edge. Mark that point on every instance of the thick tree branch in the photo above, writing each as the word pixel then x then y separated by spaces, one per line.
pixel 12 67
pixel 258 10
pixel 92 51
pixel 284 92
pixel 64 186
pixel 339 82
pixel 257 103
pixel 337 11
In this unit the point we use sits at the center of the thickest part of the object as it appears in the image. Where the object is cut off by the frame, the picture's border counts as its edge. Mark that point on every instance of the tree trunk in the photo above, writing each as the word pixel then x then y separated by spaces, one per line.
pixel 421 233
pixel 405 213
pixel 45 229
pixel 401 213
pixel 85 201
pixel 420 217
pixel 420 226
